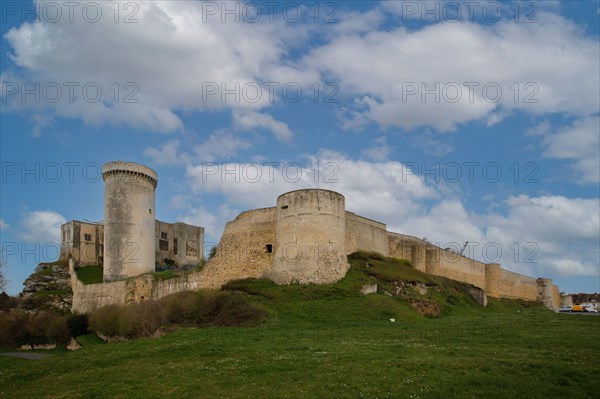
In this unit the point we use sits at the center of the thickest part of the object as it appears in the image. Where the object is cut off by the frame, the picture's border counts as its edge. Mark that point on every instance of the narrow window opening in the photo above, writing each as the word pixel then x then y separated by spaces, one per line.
pixel 269 248
pixel 150 211
pixel 284 207
pixel 163 245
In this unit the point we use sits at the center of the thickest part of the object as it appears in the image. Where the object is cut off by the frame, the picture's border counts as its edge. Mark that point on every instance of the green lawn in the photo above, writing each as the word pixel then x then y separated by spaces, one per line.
pixel 91 274
pixel 330 342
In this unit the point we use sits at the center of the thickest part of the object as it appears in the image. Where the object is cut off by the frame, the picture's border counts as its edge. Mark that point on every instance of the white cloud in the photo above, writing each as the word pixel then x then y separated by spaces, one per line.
pixel 220 145
pixel 535 236
pixel 552 62
pixel 42 226
pixel 372 189
pixel 167 154
pixel 213 223
pixel 3 225
pixel 173 58
pixel 379 151
pixel 253 120
pixel 430 143
pixel 40 122
pixel 579 143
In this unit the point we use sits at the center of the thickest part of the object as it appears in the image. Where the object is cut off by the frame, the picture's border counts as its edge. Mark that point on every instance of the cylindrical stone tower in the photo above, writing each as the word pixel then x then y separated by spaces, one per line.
pixel 310 237
pixel 129 220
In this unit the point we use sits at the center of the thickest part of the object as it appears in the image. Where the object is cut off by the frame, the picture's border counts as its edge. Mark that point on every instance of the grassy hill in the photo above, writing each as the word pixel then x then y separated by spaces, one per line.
pixel 333 342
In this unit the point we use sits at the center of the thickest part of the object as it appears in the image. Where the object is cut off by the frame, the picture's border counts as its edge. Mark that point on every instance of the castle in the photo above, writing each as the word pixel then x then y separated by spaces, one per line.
pixel 304 239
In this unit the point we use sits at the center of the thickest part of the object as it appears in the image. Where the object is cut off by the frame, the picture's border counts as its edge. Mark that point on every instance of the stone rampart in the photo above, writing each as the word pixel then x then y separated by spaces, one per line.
pixel 246 248
pixel 364 234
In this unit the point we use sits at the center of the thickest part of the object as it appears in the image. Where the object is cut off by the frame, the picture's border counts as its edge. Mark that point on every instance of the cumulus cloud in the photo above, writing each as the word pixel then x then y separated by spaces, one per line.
pixel 42 226
pixel 139 67
pixel 534 235
pixel 446 74
pixel 254 120
pixel 167 154
pixel 220 145
pixel 579 143
pixel 433 76
pixel 373 189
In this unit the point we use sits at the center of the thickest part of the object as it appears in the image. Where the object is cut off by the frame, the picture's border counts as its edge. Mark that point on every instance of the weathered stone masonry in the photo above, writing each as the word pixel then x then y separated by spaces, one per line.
pixel 305 238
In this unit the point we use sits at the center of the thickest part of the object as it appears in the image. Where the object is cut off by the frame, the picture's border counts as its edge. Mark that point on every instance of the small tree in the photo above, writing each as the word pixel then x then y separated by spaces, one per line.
pixel 3 280
pixel 213 252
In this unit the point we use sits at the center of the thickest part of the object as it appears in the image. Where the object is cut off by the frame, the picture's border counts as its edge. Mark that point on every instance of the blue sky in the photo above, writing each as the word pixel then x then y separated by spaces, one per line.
pixel 475 121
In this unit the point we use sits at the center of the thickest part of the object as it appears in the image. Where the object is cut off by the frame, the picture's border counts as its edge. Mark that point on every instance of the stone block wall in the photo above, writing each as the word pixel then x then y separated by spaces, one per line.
pixel 364 234
pixel 246 248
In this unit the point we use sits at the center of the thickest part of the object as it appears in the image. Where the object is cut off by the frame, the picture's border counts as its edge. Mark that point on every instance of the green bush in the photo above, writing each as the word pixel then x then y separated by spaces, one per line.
pixel 200 308
pixel 105 320
pixel 211 308
pixel 14 329
pixel 182 307
pixel 228 309
pixel 141 319
pixel 77 325
pixel 21 328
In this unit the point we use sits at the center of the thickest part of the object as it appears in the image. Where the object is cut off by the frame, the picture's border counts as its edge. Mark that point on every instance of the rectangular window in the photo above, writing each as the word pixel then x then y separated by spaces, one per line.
pixel 175 246
pixel 269 248
pixel 163 245
pixel 163 235
pixel 87 237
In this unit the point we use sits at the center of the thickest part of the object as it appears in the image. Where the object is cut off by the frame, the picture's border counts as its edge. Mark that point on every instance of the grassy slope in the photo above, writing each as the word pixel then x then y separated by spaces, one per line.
pixel 329 341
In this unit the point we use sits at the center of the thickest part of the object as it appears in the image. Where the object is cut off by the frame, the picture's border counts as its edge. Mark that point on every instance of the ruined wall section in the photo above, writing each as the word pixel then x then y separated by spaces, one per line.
pixel 180 242
pixel 364 234
pixel 88 297
pixel 246 249
pixel 83 242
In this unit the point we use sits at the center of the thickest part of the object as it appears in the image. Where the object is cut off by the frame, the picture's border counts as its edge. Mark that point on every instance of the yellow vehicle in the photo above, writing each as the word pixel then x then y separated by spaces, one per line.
pixel 577 308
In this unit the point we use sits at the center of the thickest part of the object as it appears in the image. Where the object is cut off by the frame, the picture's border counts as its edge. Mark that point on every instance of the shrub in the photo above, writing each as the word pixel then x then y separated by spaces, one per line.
pixel 211 308
pixel 105 320
pixel 57 330
pixel 77 325
pixel 7 302
pixel 21 328
pixel 233 310
pixel 14 329
pixel 141 319
pixel 201 308
pixel 182 307
pixel 137 320
pixel 213 252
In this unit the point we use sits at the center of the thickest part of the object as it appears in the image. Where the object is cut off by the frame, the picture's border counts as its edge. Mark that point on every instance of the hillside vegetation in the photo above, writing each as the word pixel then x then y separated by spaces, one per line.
pixel 418 336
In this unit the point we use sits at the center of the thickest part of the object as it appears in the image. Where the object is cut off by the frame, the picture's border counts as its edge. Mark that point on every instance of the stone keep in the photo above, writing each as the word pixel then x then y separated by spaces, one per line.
pixel 129 220
pixel 310 237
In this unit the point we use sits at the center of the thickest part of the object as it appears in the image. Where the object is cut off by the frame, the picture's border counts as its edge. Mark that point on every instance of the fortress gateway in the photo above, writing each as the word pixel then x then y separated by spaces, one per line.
pixel 304 239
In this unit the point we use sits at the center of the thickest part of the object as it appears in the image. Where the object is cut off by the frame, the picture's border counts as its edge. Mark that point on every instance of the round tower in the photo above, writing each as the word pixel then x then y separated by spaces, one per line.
pixel 129 219
pixel 310 237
